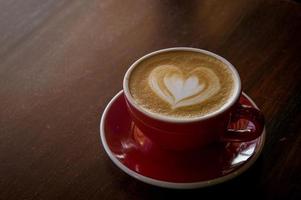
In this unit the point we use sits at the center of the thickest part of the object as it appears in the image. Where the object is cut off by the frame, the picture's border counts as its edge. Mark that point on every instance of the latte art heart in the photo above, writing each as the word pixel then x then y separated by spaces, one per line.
pixel 181 89
pixel 178 90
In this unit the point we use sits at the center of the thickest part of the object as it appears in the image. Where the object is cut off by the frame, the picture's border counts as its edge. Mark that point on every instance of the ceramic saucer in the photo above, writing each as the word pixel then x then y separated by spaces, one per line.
pixel 137 156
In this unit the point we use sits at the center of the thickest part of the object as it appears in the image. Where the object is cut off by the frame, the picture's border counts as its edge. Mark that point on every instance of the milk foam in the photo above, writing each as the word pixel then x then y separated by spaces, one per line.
pixel 181 84
pixel 178 90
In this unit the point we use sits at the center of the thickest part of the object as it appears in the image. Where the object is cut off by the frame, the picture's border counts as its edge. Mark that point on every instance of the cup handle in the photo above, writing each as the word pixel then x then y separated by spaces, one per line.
pixel 243 135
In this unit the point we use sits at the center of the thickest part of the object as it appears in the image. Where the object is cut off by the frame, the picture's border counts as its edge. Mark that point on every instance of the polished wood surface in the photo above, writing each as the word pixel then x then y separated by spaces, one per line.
pixel 61 62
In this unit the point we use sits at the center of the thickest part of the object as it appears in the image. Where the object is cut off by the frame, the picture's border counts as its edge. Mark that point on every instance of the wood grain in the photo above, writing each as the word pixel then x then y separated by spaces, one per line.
pixel 62 61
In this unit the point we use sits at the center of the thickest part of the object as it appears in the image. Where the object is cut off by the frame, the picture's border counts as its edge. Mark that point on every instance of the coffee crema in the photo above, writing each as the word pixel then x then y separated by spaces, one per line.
pixel 181 84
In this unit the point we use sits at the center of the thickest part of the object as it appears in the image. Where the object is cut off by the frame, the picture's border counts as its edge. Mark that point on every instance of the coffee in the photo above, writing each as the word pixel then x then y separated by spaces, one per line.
pixel 181 84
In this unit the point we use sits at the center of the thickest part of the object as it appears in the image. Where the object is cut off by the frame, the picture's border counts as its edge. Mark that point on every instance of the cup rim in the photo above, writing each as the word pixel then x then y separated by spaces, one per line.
pixel 226 106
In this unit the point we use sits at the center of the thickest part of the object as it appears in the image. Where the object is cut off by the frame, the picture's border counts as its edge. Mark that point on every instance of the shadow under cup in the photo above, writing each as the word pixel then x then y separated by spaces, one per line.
pixel 198 132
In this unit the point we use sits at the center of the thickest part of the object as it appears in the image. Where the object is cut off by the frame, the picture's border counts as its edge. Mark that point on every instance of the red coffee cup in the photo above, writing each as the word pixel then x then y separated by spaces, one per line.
pixel 187 134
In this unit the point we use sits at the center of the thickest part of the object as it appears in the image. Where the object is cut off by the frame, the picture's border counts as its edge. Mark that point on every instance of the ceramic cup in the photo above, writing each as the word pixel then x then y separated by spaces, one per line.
pixel 187 134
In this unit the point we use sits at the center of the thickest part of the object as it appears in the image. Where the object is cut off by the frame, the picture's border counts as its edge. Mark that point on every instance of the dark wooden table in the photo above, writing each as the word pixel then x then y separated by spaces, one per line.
pixel 61 61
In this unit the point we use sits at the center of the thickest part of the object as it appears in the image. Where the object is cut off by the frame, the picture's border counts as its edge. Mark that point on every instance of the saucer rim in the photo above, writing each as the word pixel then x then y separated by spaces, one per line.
pixel 176 185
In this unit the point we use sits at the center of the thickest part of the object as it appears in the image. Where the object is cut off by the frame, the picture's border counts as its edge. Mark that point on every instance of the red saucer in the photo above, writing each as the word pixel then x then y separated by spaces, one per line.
pixel 136 155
